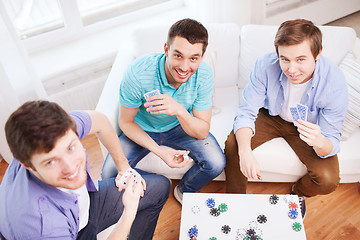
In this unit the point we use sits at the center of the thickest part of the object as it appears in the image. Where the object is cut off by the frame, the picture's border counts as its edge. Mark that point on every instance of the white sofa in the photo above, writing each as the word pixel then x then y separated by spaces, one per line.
pixel 232 53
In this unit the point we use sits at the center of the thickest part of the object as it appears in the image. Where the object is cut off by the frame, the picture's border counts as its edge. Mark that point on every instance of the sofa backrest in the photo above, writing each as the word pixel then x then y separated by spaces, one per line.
pixel 222 53
pixel 257 40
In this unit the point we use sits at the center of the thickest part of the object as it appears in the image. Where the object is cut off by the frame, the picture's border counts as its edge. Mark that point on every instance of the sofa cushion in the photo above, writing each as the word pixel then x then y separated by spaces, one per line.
pixel 351 69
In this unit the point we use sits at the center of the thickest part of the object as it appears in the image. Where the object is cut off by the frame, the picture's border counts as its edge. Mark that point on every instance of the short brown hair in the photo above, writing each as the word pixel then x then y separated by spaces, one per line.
pixel 35 127
pixel 191 30
pixel 294 32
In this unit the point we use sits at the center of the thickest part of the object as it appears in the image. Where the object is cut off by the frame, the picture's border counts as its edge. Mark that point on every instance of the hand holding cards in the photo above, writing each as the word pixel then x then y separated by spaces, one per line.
pixel 299 112
pixel 123 180
pixel 152 93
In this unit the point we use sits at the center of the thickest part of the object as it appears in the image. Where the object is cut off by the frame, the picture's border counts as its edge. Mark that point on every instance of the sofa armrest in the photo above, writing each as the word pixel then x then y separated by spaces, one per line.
pixel 109 99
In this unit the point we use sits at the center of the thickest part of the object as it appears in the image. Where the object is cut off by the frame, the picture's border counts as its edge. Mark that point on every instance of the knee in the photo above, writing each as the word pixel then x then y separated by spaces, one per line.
pixel 214 165
pixel 327 181
pixel 160 186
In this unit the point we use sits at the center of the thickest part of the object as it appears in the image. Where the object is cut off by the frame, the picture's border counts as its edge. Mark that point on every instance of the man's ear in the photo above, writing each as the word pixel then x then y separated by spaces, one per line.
pixel 166 49
pixel 318 56
pixel 26 166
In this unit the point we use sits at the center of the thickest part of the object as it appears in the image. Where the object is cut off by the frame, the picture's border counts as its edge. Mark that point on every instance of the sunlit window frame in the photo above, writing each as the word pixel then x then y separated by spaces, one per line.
pixel 76 26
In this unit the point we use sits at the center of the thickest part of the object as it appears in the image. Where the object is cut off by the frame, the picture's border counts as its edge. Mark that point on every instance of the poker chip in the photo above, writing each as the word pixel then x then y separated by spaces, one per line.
pixel 223 207
pixel 250 232
pixel 255 237
pixel 193 238
pixel 215 212
pixel 296 226
pixel 213 238
pixel 293 205
pixel 195 209
pixel 274 199
pixel 262 219
pixel 193 232
pixel 226 229
pixel 210 202
pixel 289 198
pixel 293 213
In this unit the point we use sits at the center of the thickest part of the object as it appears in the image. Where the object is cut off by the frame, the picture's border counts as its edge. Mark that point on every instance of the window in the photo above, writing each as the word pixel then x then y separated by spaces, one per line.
pixel 34 17
pixel 48 22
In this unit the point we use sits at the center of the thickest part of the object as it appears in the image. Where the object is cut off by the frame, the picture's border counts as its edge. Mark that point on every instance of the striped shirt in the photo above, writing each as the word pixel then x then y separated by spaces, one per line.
pixel 147 73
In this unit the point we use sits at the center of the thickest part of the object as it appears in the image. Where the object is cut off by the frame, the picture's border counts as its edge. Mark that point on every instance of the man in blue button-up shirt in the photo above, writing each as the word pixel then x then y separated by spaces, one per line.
pixel 47 192
pixel 295 74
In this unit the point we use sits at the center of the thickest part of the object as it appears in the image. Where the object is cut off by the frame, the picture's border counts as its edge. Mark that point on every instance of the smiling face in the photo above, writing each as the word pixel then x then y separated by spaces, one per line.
pixel 182 60
pixel 297 61
pixel 64 166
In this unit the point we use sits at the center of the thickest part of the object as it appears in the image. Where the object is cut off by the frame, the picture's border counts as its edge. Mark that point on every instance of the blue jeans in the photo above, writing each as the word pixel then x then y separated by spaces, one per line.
pixel 207 154
pixel 106 207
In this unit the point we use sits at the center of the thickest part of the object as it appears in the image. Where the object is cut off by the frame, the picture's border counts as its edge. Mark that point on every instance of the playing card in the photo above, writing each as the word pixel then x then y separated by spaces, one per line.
pixel 151 93
pixel 294 113
pixel 302 110
pixel 124 178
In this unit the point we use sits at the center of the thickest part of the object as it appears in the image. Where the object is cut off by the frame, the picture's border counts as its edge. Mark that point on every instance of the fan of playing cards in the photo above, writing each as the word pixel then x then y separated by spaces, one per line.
pixel 299 112
pixel 124 178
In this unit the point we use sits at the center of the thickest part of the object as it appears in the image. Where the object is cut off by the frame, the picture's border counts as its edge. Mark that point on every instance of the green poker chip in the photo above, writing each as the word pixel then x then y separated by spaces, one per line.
pixel 296 226
pixel 223 207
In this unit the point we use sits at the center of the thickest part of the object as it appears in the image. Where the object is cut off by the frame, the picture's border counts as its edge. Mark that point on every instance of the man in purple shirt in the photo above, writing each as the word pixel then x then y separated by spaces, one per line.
pixel 47 192
pixel 295 74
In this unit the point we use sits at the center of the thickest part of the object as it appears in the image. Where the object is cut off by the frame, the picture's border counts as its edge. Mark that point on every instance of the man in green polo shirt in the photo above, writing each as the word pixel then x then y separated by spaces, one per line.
pixel 179 116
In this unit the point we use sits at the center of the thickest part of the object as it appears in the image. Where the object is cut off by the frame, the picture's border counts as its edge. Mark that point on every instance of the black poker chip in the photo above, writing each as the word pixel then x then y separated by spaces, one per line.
pixel 226 229
pixel 274 199
pixel 214 212
pixel 251 232
pixel 262 219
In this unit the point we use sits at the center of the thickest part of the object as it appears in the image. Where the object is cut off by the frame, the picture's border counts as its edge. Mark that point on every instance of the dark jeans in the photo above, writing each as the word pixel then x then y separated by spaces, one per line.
pixel 106 207
pixel 207 154
pixel 323 173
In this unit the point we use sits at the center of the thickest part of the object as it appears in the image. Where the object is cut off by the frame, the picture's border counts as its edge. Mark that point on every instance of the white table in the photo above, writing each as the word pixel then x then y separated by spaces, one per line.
pixel 243 211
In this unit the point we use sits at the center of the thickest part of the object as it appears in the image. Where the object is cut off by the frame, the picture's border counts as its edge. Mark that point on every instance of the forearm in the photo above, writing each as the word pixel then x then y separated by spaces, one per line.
pixel 123 226
pixel 193 126
pixel 324 148
pixel 133 131
pixel 243 138
pixel 103 129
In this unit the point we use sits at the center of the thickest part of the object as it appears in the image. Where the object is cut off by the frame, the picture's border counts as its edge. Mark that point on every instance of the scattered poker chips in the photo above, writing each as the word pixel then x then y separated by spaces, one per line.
pixel 296 226
pixel 193 232
pixel 262 219
pixel 210 202
pixel 293 213
pixel 253 232
pixel 214 212
pixel 274 199
pixel 226 229
pixel 223 207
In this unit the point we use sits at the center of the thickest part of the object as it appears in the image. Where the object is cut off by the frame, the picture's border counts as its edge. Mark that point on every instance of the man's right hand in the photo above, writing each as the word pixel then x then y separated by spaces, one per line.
pixel 249 166
pixel 174 158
